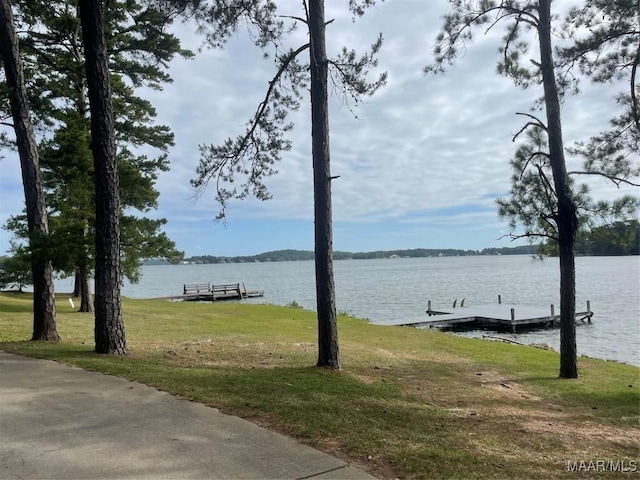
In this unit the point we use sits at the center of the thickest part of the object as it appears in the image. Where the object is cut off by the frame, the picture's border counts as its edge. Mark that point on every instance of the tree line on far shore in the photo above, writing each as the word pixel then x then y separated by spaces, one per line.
pixel 302 255
pixel 620 238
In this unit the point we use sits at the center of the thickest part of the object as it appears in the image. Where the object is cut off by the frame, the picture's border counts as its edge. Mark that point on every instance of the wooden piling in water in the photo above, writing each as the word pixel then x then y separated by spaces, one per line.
pixel 554 322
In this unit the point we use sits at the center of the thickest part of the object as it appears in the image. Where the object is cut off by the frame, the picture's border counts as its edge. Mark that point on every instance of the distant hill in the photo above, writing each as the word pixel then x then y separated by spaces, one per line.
pixel 620 238
pixel 298 255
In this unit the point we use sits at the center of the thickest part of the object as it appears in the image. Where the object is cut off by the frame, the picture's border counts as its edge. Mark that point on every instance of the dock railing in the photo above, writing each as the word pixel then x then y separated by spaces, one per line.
pixel 230 290
pixel 189 288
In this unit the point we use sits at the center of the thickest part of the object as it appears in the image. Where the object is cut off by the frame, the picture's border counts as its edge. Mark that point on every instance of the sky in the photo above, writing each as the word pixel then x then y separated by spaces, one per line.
pixel 421 162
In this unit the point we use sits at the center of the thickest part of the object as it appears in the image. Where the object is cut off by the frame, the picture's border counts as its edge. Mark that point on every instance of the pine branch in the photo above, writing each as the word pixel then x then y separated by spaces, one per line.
pixel 530 158
pixel 352 73
pixel 524 127
pixel 263 105
pixel 551 226
pixel 613 178
pixel 514 236
pixel 262 152
pixel 458 27
pixel 293 17
pixel 546 182
pixel 538 122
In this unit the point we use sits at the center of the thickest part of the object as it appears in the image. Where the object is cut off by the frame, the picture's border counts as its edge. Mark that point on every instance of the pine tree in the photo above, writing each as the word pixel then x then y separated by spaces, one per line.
pixel 240 166
pixel 44 311
pixel 544 199
pixel 109 329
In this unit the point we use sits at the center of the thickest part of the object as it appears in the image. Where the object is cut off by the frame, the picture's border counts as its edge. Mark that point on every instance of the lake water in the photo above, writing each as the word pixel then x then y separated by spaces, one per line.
pixel 398 289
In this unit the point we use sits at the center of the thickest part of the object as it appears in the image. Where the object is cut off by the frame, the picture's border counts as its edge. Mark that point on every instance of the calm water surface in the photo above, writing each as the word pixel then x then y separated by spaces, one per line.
pixel 398 289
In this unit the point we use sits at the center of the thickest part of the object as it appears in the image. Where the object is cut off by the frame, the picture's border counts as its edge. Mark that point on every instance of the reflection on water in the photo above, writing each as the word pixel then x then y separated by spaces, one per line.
pixel 391 289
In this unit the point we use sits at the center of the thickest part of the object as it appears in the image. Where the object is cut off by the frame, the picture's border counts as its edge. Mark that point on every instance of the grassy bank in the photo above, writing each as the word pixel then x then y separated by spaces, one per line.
pixel 408 403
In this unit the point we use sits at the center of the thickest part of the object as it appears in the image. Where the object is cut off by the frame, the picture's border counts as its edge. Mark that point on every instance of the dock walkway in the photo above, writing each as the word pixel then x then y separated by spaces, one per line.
pixel 206 292
pixel 494 317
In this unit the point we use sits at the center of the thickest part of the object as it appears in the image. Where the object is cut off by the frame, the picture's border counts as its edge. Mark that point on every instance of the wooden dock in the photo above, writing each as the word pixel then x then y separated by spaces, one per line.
pixel 501 317
pixel 206 292
pixel 214 293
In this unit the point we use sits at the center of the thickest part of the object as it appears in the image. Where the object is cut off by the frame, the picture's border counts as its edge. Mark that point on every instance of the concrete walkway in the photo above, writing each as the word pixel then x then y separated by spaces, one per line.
pixel 59 422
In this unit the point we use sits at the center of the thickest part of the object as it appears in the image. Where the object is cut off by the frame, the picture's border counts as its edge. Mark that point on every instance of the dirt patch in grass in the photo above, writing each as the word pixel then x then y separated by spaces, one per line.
pixel 501 386
pixel 511 421
pixel 500 417
pixel 393 355
pixel 588 437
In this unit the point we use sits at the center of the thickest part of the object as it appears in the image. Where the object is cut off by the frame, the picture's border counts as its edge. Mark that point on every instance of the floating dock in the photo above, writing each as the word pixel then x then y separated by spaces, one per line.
pixel 214 293
pixel 501 317
pixel 206 292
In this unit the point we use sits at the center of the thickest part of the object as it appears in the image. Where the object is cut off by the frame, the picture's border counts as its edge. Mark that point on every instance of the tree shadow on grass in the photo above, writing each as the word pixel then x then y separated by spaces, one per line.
pixel 15 308
pixel 48 350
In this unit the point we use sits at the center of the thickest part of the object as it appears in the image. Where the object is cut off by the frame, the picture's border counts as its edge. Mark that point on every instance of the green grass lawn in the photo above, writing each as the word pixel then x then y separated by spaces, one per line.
pixel 408 403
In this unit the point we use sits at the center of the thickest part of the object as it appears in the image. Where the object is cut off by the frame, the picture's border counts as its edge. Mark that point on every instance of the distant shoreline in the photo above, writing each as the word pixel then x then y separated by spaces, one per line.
pixel 307 255
pixel 290 255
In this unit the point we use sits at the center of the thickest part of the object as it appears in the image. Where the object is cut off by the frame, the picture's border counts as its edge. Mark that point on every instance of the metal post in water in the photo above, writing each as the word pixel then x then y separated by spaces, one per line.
pixel 429 307
pixel 589 311
pixel 513 314
pixel 499 300
pixel 553 311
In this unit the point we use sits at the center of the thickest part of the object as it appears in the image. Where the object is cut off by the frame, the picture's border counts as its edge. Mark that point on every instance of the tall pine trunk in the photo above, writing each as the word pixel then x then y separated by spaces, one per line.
pixel 82 276
pixel 328 351
pixel 566 219
pixel 109 325
pixel 86 302
pixel 76 283
pixel 44 308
